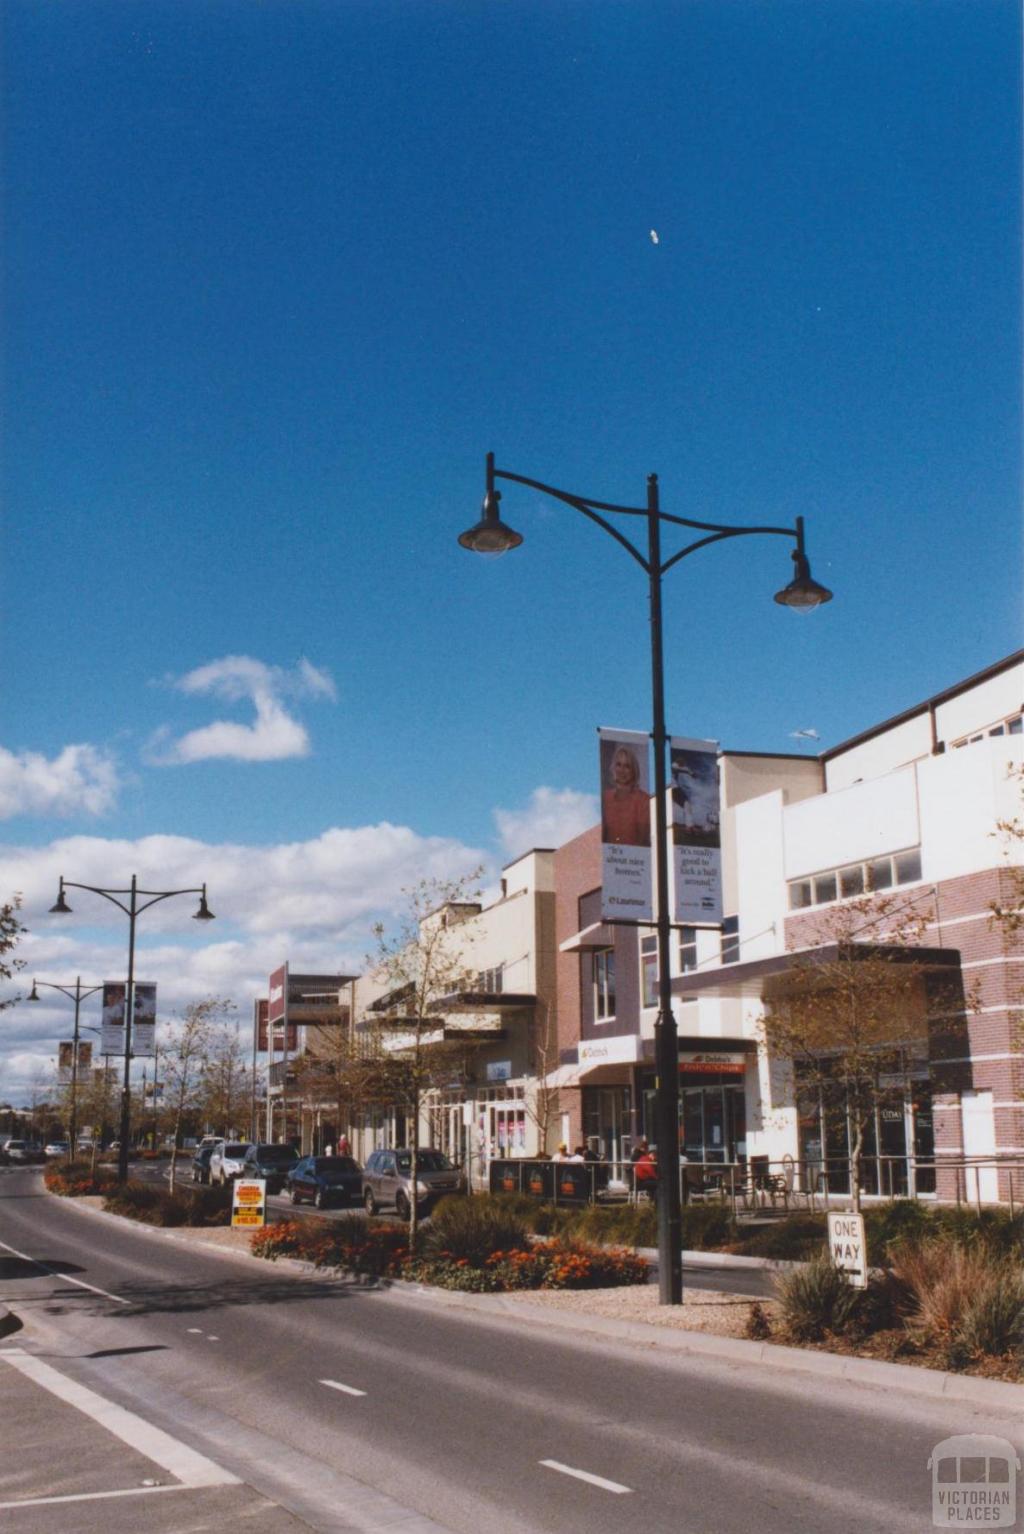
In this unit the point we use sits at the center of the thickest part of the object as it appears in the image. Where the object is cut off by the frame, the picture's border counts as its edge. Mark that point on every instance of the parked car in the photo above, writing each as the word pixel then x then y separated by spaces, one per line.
pixel 56 1149
pixel 19 1152
pixel 270 1162
pixel 201 1162
pixel 226 1160
pixel 326 1180
pixel 387 1180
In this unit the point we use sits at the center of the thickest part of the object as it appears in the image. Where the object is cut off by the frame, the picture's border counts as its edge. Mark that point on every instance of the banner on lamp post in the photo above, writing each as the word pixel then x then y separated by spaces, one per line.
pixel 84 1056
pixel 626 893
pixel 65 1059
pixel 696 831
pixel 112 1020
pixel 144 1020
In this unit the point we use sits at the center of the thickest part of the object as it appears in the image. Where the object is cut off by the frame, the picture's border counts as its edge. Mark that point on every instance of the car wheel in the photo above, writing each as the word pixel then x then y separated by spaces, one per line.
pixel 369 1202
pixel 402 1208
pixel 320 1199
pixel 295 1196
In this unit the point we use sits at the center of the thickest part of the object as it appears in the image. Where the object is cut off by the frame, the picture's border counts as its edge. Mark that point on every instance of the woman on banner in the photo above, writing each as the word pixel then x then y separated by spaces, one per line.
pixel 625 807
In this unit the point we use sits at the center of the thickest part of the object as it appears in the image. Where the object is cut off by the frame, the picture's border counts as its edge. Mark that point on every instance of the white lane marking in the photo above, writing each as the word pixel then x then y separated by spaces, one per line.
pixel 197 1329
pixel 585 1475
pixel 192 1469
pixel 93 1496
pixel 212 1338
pixel 66 1277
pixel 348 1390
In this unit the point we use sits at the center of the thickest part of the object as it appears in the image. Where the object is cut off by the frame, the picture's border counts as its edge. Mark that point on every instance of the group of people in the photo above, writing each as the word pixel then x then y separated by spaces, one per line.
pixel 581 1153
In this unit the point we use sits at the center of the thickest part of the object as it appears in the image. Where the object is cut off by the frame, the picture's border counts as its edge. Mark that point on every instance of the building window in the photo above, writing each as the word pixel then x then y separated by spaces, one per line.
pixel 604 984
pixel 855 879
pixel 649 970
pixel 491 980
pixel 1011 726
pixel 687 949
pixel 730 940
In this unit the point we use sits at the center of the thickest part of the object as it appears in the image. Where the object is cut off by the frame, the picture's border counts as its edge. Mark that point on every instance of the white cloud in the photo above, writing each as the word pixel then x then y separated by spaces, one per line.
pixel 273 736
pixel 552 816
pixel 312 902
pixel 81 780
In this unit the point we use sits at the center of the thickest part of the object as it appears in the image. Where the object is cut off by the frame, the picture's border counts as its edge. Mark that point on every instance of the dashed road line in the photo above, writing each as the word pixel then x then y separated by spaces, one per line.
pixel 585 1475
pixel 348 1390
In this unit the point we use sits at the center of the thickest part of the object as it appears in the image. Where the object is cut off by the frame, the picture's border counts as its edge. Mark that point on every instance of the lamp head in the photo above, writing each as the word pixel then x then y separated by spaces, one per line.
pixel 33 994
pixel 60 906
pixel 803 593
pixel 204 913
pixel 490 535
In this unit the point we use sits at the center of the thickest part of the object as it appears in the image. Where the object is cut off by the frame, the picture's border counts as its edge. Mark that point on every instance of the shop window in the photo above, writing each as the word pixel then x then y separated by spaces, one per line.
pixel 604 984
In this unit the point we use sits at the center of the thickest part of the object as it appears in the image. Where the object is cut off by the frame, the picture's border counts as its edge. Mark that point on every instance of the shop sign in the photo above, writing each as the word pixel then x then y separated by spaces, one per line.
pixel 499 1070
pixel 708 1062
pixel 249 1202
pixel 620 1049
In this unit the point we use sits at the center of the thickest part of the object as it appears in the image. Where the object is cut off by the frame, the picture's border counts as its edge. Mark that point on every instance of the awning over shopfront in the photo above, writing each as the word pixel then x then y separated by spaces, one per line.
pixel 597 935
pixel 483 1001
pixel 749 979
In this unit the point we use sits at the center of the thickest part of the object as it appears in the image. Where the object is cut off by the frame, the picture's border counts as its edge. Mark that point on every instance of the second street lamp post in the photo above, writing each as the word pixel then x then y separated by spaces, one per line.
pixel 77 995
pixel 133 910
pixel 492 536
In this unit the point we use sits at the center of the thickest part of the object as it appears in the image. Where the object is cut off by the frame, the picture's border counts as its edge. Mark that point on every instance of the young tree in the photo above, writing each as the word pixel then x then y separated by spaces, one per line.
pixel 225 1086
pixel 186 1050
pixel 11 930
pixel 851 1023
pixel 407 1053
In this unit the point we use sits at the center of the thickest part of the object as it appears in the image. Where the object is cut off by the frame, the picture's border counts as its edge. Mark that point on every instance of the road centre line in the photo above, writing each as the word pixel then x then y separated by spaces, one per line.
pixel 348 1390
pixel 585 1475
pixel 65 1277
pixel 193 1470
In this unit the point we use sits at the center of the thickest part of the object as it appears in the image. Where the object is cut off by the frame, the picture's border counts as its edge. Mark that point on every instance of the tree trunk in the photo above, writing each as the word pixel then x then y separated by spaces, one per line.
pixel 414 1169
pixel 858 1142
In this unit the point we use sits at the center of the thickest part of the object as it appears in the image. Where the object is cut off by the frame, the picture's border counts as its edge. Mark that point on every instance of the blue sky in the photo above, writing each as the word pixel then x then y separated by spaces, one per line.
pixel 277 276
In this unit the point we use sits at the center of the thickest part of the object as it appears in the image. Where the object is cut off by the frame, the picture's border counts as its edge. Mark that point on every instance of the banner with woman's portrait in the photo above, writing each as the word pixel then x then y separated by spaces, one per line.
pixel 696 832
pixel 112 1020
pixel 625 826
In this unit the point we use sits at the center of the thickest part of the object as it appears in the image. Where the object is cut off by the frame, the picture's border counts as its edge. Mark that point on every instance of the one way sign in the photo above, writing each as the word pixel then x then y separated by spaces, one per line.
pixel 848 1247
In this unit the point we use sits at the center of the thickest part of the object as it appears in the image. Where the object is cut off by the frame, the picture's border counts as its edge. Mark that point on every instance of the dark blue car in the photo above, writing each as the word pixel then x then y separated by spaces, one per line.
pixel 326 1180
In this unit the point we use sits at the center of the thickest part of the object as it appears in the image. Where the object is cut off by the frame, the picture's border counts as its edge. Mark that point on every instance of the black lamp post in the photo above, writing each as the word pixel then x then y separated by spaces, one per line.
pixel 492 536
pixel 77 995
pixel 132 910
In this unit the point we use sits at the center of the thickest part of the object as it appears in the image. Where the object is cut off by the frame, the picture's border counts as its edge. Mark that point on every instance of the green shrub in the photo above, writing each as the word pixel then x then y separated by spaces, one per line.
pixel 154 1205
pixel 799 1238
pixel 757 1327
pixel 708 1227
pixel 616 1224
pixel 996 1229
pixel 472 1228
pixel 940 1277
pixel 901 1219
pixel 353 1245
pixel 815 1299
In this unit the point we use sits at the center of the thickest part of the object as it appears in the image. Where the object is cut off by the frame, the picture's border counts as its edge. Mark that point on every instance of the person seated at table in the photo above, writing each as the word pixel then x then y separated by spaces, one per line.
pixel 645 1172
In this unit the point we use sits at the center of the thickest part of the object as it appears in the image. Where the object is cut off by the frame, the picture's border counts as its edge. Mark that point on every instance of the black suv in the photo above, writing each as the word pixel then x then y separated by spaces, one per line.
pixel 272 1163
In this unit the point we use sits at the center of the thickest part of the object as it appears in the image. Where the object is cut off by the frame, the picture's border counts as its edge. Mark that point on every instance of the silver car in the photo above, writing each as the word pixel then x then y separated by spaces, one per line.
pixel 227 1160
pixel 387 1180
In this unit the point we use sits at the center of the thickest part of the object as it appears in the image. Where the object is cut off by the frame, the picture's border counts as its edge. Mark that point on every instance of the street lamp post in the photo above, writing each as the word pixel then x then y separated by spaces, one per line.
pixel 492 536
pixel 133 910
pixel 77 995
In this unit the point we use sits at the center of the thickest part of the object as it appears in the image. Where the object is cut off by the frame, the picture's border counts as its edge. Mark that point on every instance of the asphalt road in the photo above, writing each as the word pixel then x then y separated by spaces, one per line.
pixel 362 1410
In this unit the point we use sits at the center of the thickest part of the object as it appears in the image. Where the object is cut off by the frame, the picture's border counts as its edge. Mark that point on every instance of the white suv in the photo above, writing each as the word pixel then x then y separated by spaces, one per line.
pixel 227 1160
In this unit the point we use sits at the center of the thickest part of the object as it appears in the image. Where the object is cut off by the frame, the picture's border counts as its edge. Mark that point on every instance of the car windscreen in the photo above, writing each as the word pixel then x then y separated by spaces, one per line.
pixel 335 1166
pixel 275 1155
pixel 427 1161
pixel 236 1150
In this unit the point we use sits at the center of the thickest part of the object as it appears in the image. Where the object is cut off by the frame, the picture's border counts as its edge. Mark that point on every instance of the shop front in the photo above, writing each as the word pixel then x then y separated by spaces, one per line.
pixel 712 1105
